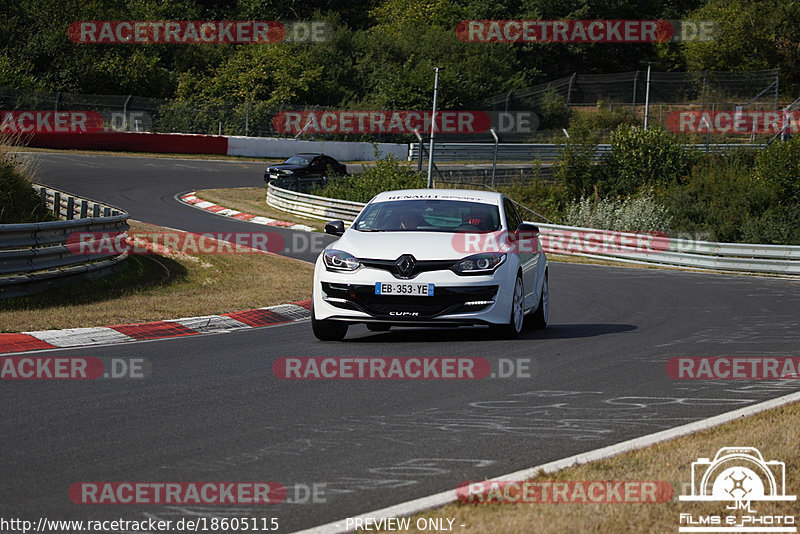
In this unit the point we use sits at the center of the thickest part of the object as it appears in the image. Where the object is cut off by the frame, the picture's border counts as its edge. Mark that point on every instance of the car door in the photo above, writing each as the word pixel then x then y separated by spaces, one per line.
pixel 527 258
pixel 314 172
pixel 317 166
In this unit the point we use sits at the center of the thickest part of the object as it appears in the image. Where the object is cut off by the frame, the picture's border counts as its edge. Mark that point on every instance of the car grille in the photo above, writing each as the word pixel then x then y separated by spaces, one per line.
pixel 419 266
pixel 446 300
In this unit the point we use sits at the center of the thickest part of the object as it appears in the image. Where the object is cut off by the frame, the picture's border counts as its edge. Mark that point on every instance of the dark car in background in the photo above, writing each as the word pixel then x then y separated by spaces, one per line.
pixel 303 171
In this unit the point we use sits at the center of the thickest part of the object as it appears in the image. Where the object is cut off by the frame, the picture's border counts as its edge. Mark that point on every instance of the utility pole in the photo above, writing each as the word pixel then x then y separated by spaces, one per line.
pixel 433 127
pixel 647 94
pixel 647 97
pixel 494 158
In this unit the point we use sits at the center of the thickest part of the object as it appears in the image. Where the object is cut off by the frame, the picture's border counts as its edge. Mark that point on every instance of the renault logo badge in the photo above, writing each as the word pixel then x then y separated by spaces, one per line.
pixel 405 265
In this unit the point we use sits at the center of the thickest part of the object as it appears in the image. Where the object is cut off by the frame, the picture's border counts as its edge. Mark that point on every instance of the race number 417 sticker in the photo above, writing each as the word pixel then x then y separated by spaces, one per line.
pixel 740 477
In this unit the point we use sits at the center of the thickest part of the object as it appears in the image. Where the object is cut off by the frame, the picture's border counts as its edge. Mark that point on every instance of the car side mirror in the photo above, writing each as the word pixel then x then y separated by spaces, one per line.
pixel 527 228
pixel 334 228
pixel 527 238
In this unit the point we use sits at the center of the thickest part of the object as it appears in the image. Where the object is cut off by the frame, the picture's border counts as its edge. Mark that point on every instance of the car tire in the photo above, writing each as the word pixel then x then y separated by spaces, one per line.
pixel 378 327
pixel 539 317
pixel 516 321
pixel 328 329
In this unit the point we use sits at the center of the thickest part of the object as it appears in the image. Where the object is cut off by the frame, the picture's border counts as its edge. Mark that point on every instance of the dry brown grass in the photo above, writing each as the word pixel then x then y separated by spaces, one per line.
pixel 253 200
pixel 157 287
pixel 775 433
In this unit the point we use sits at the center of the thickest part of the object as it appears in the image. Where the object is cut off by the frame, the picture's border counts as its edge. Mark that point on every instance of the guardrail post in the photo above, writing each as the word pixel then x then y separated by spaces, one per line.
pixel 96 210
pixel 106 212
pixel 84 208
pixel 57 203
pixel 70 208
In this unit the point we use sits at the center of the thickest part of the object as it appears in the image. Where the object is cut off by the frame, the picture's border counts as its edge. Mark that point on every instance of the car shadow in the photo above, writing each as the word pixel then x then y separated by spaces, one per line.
pixel 448 335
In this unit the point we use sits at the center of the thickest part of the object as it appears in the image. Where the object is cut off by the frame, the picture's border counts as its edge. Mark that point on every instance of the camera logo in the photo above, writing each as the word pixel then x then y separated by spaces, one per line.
pixel 739 475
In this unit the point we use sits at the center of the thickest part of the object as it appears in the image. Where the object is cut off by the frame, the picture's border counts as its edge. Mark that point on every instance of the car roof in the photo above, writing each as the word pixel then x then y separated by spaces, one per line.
pixel 308 154
pixel 485 197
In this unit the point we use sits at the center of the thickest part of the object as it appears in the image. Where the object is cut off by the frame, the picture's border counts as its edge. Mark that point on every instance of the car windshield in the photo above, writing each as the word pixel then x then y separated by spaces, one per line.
pixel 297 160
pixel 428 216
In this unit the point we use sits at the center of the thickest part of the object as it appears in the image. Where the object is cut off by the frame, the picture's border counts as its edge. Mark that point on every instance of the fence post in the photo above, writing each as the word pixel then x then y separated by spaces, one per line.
pixel 708 130
pixel 494 156
pixel 247 118
pixel 633 103
pixel 125 114
pixel 569 89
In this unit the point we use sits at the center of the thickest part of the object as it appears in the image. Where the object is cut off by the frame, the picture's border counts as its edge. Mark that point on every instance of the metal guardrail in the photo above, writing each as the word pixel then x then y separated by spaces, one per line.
pixel 33 255
pixel 594 243
pixel 605 244
pixel 546 153
pixel 312 206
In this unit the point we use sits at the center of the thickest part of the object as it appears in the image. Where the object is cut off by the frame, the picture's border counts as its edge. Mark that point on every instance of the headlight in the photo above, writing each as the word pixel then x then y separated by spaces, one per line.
pixel 338 260
pixel 287 171
pixel 480 263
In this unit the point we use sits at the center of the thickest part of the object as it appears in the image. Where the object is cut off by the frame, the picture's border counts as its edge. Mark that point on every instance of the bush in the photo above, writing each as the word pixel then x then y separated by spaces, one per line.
pixel 721 196
pixel 639 158
pixel 641 213
pixel 545 198
pixel 607 119
pixel 779 165
pixel 19 203
pixel 576 170
pixel 778 225
pixel 554 110
pixel 387 174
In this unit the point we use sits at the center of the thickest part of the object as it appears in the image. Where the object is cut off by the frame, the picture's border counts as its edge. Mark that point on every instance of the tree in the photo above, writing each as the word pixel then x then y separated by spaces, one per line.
pixel 752 35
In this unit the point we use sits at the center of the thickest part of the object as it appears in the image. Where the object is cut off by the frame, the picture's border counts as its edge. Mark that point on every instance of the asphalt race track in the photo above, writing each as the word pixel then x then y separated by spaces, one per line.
pixel 212 409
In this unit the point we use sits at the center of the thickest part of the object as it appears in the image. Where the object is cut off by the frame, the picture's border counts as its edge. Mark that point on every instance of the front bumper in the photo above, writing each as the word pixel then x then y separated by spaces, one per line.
pixel 457 300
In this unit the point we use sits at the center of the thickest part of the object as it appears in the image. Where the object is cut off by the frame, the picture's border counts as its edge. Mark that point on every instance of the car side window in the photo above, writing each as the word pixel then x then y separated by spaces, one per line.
pixel 512 217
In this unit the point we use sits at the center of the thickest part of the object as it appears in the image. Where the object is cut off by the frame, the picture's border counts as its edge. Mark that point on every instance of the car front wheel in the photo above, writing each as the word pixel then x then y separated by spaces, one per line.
pixel 513 328
pixel 327 329
pixel 539 318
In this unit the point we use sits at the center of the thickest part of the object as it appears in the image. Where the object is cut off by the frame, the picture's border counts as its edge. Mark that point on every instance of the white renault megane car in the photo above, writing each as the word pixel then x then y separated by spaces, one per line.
pixel 431 257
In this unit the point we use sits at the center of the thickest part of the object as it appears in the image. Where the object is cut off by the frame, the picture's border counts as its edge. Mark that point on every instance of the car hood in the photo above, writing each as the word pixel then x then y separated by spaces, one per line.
pixel 391 245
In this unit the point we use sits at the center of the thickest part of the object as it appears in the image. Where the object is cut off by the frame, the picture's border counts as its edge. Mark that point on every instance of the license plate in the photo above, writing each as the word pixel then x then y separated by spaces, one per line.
pixel 273 176
pixel 400 288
